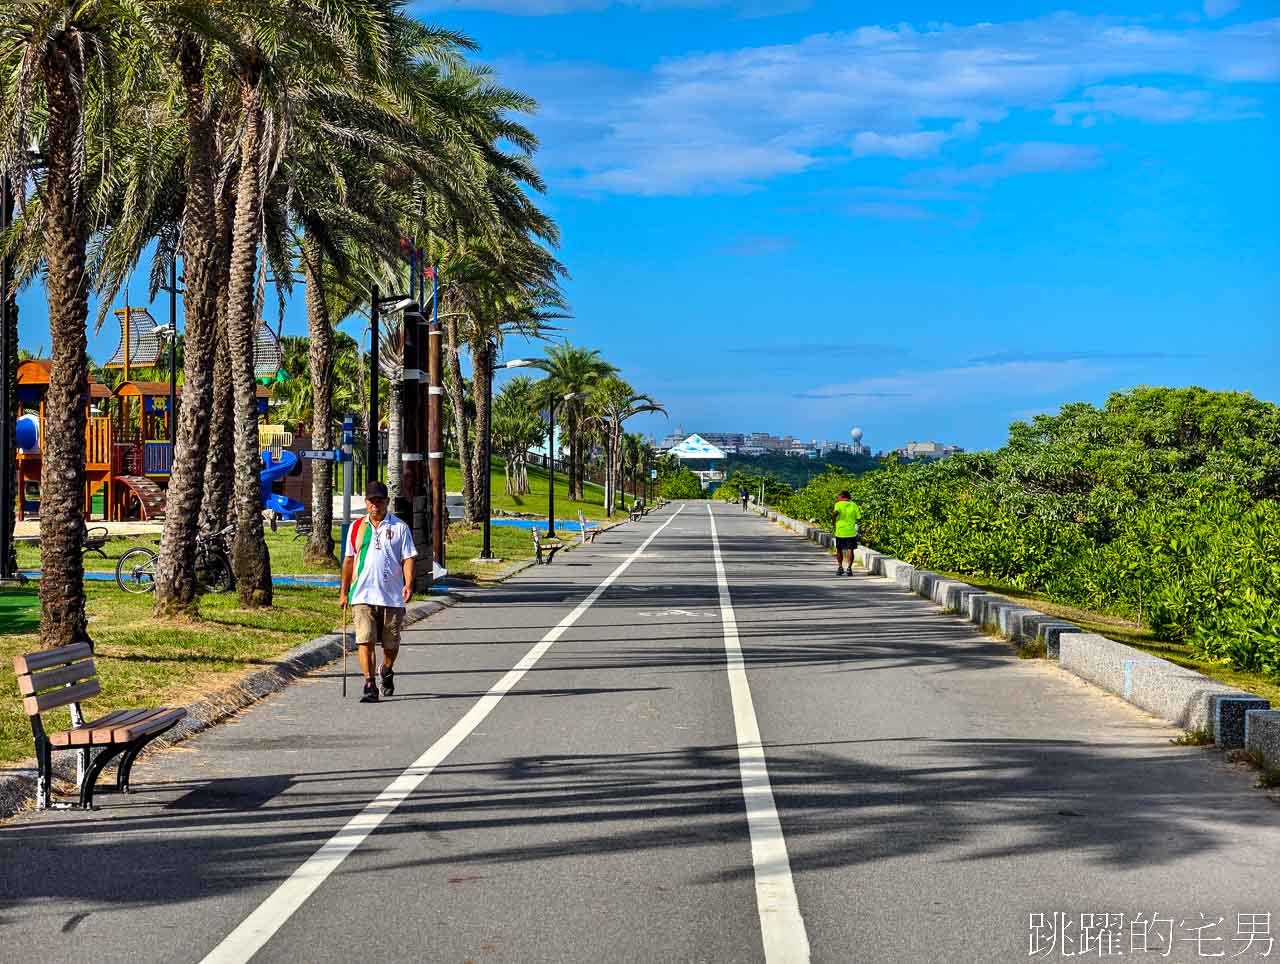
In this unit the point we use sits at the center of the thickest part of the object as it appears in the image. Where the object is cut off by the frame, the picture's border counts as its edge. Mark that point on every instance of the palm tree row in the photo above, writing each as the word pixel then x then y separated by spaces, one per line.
pixel 298 138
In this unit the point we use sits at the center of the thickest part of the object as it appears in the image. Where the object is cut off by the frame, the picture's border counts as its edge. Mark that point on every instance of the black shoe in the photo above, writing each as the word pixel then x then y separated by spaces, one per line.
pixel 370 692
pixel 839 571
pixel 849 571
pixel 388 678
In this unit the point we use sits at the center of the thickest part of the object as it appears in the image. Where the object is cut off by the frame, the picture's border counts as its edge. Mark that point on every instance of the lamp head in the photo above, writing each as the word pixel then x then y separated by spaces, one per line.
pixel 164 331
pixel 517 363
pixel 402 304
pixel 572 396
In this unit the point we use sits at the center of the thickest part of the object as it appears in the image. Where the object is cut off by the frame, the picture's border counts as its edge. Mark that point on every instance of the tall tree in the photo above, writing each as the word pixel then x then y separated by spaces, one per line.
pixel 572 370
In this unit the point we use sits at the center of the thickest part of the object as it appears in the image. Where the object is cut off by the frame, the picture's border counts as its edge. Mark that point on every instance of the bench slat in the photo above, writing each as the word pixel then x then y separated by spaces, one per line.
pixel 156 720
pixel 45 658
pixel 83 736
pixel 103 730
pixel 29 685
pixel 34 705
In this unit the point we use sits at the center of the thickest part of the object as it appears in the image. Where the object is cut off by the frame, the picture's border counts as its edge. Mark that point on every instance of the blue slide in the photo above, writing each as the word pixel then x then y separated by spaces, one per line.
pixel 282 505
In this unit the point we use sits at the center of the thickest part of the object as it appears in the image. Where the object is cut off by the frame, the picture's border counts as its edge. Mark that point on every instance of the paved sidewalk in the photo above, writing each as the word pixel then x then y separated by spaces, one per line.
pixel 932 789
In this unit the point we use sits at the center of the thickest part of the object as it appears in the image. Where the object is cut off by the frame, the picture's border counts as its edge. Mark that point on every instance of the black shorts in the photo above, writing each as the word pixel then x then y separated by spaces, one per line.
pixel 846 543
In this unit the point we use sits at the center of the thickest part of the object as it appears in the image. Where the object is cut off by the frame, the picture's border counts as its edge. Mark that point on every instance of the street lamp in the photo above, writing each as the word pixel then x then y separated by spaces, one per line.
pixel 551 458
pixel 486 469
pixel 8 377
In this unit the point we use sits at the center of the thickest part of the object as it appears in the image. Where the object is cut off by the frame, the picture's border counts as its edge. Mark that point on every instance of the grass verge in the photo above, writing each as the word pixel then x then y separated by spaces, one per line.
pixel 1132 634
pixel 145 663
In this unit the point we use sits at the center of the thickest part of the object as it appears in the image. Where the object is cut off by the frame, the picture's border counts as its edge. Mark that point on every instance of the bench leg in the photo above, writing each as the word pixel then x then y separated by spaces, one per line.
pixel 44 774
pixel 95 768
pixel 130 755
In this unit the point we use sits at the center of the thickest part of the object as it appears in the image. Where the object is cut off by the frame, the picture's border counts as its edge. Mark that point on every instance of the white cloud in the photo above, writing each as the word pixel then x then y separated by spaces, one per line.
pixel 1154 105
pixel 1219 8
pixel 542 8
pixel 734 119
pixel 914 145
pixel 1034 157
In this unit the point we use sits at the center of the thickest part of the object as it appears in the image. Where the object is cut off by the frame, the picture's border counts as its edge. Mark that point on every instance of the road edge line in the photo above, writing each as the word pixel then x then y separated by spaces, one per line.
pixel 781 924
pixel 251 934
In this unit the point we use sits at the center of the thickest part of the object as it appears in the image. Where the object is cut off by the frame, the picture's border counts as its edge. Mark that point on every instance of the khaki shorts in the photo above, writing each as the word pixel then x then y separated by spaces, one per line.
pixel 377 624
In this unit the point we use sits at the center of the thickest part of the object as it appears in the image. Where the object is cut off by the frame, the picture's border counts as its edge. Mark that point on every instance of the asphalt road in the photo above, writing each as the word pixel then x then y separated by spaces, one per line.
pixel 570 772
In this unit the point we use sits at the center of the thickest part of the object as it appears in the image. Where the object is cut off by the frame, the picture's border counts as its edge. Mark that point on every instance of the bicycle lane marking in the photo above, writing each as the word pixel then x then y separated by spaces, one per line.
pixel 256 929
pixel 781 926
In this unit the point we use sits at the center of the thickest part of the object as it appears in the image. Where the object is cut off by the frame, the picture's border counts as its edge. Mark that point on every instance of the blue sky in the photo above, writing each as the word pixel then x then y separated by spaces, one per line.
pixel 924 219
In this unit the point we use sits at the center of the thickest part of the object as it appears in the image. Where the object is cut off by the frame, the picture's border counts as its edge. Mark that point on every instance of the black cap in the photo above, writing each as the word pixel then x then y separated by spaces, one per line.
pixel 376 490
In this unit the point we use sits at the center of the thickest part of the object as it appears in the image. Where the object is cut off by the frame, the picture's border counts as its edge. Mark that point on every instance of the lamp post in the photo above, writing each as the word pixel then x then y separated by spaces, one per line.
pixel 486 469
pixel 376 304
pixel 8 402
pixel 551 458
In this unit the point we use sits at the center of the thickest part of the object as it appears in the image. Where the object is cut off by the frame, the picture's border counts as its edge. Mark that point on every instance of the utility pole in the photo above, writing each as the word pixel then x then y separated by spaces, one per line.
pixel 173 358
pixel 435 421
pixel 8 399
pixel 371 442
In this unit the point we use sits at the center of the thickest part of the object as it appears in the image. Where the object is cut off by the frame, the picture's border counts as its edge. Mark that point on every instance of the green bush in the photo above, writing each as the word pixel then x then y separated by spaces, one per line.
pixel 682 485
pixel 1162 505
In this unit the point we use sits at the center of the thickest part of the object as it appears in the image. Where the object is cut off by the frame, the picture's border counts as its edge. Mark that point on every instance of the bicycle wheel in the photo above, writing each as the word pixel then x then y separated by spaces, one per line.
pixel 136 571
pixel 213 572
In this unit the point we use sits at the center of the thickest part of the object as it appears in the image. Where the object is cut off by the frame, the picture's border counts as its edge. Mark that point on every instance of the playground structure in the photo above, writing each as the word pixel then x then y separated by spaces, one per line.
pixel 128 455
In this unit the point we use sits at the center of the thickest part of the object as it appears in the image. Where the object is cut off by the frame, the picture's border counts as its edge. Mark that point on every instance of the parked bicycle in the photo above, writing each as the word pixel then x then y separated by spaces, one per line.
pixel 136 569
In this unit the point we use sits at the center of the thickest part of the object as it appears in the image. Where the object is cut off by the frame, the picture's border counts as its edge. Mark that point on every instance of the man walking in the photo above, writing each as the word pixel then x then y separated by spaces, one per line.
pixel 846 516
pixel 377 583
pixel 742 496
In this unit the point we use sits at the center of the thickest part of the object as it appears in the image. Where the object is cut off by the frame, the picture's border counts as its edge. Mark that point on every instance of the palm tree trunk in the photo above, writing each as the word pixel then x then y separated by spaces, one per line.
pixel 218 473
pixel 482 371
pixel 395 433
pixel 455 385
pixel 251 562
pixel 176 567
pixel 319 550
pixel 62 485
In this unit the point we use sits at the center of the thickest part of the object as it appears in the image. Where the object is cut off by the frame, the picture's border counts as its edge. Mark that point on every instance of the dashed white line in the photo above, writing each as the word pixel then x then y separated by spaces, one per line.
pixel 781 926
pixel 256 929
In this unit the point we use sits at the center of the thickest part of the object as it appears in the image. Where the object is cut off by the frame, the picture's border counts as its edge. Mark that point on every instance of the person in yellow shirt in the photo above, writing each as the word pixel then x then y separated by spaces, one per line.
pixel 846 516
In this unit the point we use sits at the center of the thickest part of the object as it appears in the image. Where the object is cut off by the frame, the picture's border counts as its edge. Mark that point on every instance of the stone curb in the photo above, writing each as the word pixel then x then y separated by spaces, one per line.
pixel 18 784
pixel 1186 698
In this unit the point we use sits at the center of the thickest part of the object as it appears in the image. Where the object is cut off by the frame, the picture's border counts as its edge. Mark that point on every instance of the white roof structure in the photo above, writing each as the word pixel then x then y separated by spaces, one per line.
pixel 696 447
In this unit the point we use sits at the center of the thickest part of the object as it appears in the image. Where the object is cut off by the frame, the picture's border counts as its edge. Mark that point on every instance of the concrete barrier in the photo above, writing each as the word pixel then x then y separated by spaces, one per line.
pixel 1262 735
pixel 1178 695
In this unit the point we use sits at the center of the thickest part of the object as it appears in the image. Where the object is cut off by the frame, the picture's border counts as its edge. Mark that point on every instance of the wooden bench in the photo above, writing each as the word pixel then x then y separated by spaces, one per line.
pixel 303 527
pixel 95 539
pixel 540 548
pixel 586 533
pixel 63 677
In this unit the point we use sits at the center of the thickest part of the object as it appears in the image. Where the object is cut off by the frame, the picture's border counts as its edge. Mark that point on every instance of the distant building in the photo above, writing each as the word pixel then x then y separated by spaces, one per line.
pixel 930 451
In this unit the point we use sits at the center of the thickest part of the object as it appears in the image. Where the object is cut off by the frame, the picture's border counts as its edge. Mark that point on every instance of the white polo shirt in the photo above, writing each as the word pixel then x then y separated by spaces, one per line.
pixel 379 553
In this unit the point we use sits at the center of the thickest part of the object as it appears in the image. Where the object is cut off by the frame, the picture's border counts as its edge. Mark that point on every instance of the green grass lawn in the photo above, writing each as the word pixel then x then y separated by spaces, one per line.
pixel 1133 634
pixel 142 662
pixel 535 502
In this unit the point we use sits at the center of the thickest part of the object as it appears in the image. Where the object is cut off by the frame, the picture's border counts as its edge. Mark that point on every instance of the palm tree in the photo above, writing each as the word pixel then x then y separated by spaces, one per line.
pixel 634 447
pixel 48 50
pixel 613 402
pixel 517 427
pixel 572 370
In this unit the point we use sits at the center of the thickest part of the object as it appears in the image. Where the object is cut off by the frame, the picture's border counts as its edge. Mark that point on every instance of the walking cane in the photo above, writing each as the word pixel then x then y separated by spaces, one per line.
pixel 344 652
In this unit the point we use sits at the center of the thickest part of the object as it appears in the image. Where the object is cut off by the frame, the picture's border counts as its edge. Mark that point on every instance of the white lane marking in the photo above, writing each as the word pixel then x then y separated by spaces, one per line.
pixel 256 929
pixel 781 926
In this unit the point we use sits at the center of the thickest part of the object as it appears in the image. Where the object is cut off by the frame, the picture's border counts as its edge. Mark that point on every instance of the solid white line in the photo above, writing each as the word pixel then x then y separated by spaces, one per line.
pixel 256 929
pixel 781 926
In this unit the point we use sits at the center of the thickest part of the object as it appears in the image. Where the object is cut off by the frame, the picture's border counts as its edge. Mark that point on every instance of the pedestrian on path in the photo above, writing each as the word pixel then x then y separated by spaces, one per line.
pixel 846 516
pixel 742 496
pixel 377 583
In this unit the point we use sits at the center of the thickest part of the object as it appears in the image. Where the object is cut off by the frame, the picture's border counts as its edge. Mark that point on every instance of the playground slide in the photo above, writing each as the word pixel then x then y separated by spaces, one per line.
pixel 282 505
pixel 28 432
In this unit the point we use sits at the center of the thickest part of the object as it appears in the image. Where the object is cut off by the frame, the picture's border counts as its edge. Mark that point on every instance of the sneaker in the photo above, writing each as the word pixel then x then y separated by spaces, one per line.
pixel 839 571
pixel 370 692
pixel 849 571
pixel 388 678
